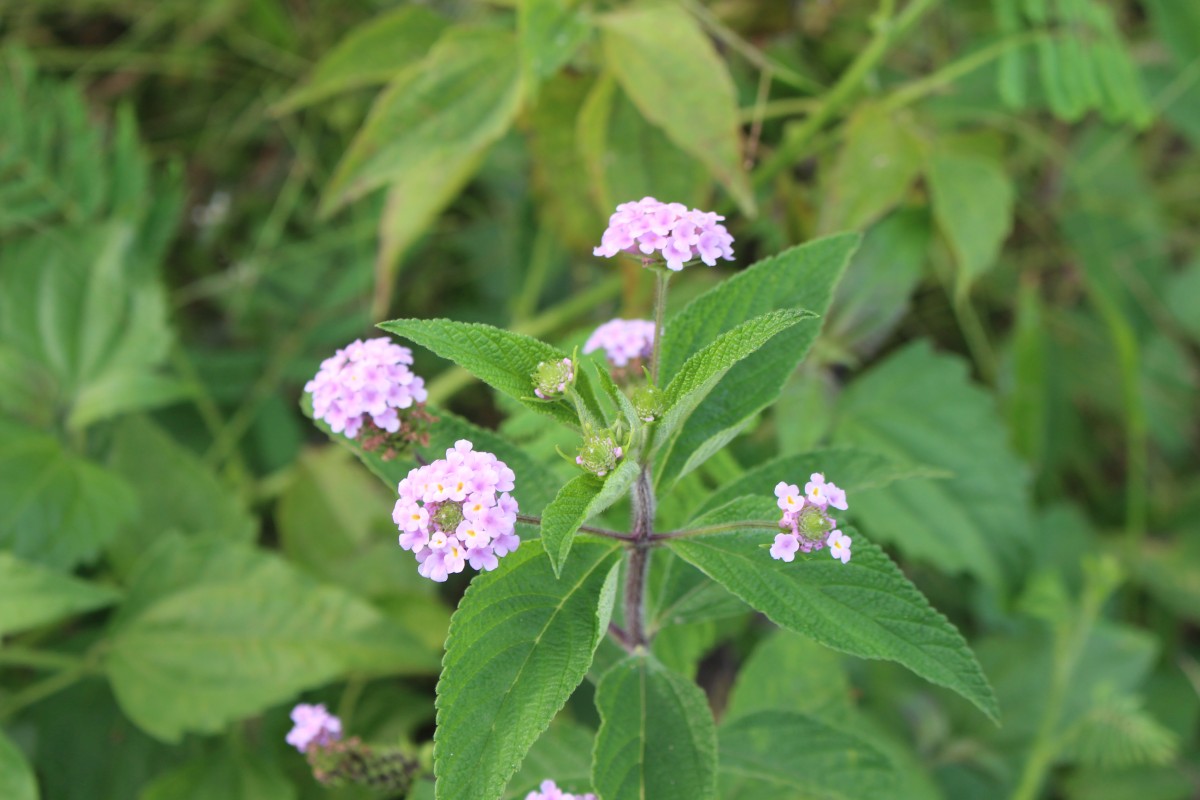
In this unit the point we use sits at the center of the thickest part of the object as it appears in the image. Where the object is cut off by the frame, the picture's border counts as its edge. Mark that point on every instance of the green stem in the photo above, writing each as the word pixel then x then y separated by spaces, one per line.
pixel 42 689
pixel 705 530
pixel 610 534
pixel 37 659
pixel 660 314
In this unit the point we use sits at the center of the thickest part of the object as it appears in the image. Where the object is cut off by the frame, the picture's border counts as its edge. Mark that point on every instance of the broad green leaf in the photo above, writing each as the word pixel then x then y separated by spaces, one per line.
pixel 770 754
pixel 866 608
pixel 370 54
pixel 55 508
pixel 500 358
pixel 788 672
pixel 680 594
pixel 703 371
pixel 212 631
pixel 554 136
pixel 550 32
pixel 582 498
pixel 919 406
pixel 973 200
pixel 851 468
pixel 656 736
pixel 669 68
pixel 229 773
pixel 175 491
pixel 31 595
pixel 873 171
pixel 519 644
pixel 16 778
pixel 627 157
pixel 802 277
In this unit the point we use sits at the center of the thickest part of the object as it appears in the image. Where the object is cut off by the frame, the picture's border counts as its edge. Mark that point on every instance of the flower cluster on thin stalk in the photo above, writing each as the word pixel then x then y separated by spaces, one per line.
pixel 336 762
pixel 807 520
pixel 667 232
pixel 549 791
pixel 458 511
pixel 366 391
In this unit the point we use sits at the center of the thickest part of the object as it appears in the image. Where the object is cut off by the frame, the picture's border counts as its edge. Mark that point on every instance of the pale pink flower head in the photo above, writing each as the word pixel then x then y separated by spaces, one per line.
pixel 456 511
pixel 549 791
pixel 623 340
pixel 365 382
pixel 806 521
pixel 669 232
pixel 313 725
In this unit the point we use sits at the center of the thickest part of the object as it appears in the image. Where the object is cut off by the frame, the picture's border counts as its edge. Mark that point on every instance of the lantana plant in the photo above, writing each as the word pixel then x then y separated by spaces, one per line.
pixel 575 594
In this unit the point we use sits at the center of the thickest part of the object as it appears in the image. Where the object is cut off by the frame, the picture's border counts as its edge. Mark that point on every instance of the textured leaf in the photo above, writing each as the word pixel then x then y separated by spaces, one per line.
pixel 865 608
pixel 656 735
pixel 519 644
pixel 31 595
pixel 802 277
pixel 706 368
pixel 212 631
pixel 369 55
pixel 671 71
pixel 973 200
pixel 771 754
pixel 500 358
pixel 55 508
pixel 852 468
pixel 880 160
pixel 920 407
pixel 16 778
pixel 582 498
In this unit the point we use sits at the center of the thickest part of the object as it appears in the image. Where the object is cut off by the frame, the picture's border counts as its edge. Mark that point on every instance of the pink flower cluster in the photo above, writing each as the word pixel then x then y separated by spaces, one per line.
pixel 365 379
pixel 680 235
pixel 550 791
pixel 806 517
pixel 313 725
pixel 623 340
pixel 450 514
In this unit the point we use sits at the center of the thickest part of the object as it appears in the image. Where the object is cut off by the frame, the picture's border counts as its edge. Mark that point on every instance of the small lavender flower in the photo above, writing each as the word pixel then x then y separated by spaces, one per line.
pixel 623 340
pixel 313 725
pixel 456 511
pixel 367 383
pixel 551 378
pixel 806 519
pixel 677 234
pixel 549 791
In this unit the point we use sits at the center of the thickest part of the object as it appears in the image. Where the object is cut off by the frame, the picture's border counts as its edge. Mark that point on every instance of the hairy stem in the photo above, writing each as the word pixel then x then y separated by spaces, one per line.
pixel 660 313
pixel 639 560
pixel 707 529
pixel 606 532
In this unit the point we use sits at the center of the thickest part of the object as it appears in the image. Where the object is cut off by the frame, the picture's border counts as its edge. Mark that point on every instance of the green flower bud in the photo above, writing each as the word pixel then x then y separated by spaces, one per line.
pixel 649 402
pixel 551 378
pixel 599 453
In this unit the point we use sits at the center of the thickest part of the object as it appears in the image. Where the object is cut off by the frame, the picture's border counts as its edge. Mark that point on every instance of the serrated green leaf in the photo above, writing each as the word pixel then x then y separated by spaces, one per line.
pixel 582 498
pixel 500 358
pixel 16 777
pixel 880 160
pixel 801 277
pixel 656 736
pixel 212 631
pixel 56 508
pixel 852 468
pixel 759 763
pixel 624 406
pixel 703 371
pixel 865 608
pixel 31 595
pixel 669 68
pixel 973 199
pixel 919 406
pixel 370 54
pixel 519 644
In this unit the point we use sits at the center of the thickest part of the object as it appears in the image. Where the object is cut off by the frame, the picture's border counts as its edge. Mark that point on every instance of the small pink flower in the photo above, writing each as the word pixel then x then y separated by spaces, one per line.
pixel 623 340
pixel 785 547
pixel 313 725
pixel 678 235
pixel 839 546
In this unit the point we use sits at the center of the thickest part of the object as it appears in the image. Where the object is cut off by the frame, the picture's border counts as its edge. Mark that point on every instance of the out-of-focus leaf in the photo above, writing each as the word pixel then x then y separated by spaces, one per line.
pixel 225 774
pixel 1178 24
pixel 680 594
pixel 788 672
pixel 175 492
pixel 582 498
pixel 31 595
pixel 555 141
pixel 16 778
pixel 656 736
pixel 919 406
pixel 564 751
pixel 669 68
pixel 1183 298
pixel 1144 783
pixel 880 160
pixel 973 200
pixel 550 32
pixel 56 508
pixel 502 683
pixel 212 631
pixel 1117 732
pixel 369 55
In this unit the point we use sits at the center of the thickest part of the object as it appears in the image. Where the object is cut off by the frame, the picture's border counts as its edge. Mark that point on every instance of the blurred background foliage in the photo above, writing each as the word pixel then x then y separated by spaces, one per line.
pixel 200 201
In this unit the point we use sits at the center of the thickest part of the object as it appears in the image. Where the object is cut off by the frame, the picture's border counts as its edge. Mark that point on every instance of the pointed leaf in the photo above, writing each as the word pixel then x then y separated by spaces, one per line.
pixel 582 498
pixel 973 199
pixel 519 644
pixel 31 595
pixel 866 608
pixel 656 738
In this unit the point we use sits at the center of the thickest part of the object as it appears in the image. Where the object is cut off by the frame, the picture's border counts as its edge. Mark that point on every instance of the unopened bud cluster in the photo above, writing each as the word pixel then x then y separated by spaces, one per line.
pixel 338 762
pixel 807 520
pixel 600 453
pixel 551 379
pixel 649 402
